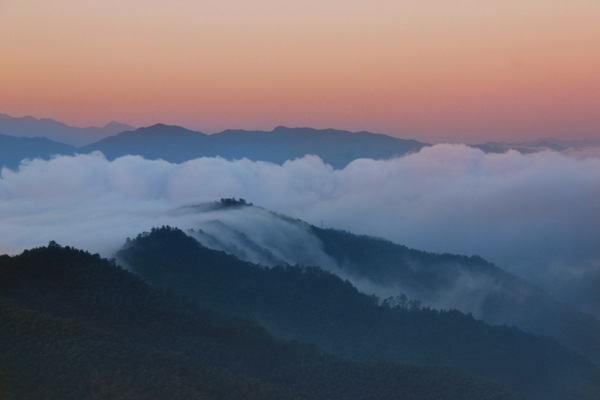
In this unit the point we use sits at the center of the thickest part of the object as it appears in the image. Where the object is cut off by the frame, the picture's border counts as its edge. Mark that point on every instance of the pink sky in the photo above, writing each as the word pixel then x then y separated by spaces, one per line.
pixel 461 71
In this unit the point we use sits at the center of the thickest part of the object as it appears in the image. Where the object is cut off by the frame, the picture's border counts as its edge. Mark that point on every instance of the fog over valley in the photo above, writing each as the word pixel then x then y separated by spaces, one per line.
pixel 532 214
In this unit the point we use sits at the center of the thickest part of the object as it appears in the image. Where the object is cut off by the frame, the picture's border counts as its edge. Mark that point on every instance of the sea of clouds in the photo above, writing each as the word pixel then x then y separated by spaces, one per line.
pixel 537 215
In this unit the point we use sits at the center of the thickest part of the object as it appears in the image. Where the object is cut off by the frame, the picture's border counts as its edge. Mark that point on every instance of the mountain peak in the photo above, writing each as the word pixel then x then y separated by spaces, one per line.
pixel 117 125
pixel 162 129
pixel 282 128
pixel 156 126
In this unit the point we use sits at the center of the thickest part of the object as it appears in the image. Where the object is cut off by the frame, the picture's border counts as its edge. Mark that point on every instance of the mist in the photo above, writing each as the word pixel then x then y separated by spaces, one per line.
pixel 535 215
pixel 259 236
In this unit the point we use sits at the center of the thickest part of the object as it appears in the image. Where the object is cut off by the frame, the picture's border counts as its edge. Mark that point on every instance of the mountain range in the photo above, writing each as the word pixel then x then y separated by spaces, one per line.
pixel 176 144
pixel 57 131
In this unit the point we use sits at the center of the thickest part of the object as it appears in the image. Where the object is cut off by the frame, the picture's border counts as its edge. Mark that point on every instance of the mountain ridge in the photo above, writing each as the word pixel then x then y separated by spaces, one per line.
pixel 29 126
pixel 74 325
pixel 177 144
pixel 14 150
pixel 310 304
pixel 383 268
pixel 335 147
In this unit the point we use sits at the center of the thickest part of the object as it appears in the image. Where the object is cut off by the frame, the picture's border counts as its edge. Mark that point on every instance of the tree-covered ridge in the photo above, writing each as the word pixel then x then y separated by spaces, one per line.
pixel 502 298
pixel 47 357
pixel 73 325
pixel 440 281
pixel 309 304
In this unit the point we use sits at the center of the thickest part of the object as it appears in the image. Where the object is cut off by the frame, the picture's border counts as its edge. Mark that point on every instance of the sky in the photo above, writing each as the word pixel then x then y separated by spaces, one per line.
pixel 436 71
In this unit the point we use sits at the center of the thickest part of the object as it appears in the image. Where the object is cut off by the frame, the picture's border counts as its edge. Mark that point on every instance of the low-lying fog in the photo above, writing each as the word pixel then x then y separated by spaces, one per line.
pixel 537 215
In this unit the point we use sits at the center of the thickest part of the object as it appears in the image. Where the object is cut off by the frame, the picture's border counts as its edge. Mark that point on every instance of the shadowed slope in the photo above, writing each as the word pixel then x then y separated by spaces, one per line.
pixel 107 334
pixel 310 304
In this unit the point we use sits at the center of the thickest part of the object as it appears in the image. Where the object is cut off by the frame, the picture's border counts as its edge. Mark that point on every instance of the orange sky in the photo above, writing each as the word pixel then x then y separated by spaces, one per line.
pixel 433 70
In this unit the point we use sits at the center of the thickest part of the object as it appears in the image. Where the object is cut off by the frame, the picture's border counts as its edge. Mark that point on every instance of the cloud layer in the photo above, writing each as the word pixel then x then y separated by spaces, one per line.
pixel 537 215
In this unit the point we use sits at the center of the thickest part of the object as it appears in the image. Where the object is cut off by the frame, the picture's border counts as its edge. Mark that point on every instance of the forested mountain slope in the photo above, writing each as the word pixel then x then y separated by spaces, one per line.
pixel 468 283
pixel 378 266
pixel 48 357
pixel 313 305
pixel 74 326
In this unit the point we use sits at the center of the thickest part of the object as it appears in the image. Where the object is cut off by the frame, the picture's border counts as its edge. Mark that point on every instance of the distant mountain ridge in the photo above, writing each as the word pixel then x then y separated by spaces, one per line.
pixel 57 131
pixel 170 143
pixel 13 150
pixel 538 145
pixel 175 144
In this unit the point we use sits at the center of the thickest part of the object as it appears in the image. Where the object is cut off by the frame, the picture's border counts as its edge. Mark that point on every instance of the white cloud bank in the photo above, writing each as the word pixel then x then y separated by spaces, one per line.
pixel 536 214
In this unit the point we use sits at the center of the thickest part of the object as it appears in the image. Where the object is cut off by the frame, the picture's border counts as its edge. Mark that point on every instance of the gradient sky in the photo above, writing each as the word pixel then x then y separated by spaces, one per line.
pixel 432 70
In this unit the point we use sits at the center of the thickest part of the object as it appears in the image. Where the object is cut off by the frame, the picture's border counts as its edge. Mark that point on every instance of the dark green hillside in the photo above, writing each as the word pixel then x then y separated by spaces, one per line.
pixel 440 281
pixel 73 326
pixel 501 297
pixel 46 357
pixel 312 305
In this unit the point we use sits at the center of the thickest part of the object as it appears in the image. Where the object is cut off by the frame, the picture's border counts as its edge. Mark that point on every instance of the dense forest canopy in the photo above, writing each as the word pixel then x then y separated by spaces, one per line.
pixel 313 305
pixel 75 326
